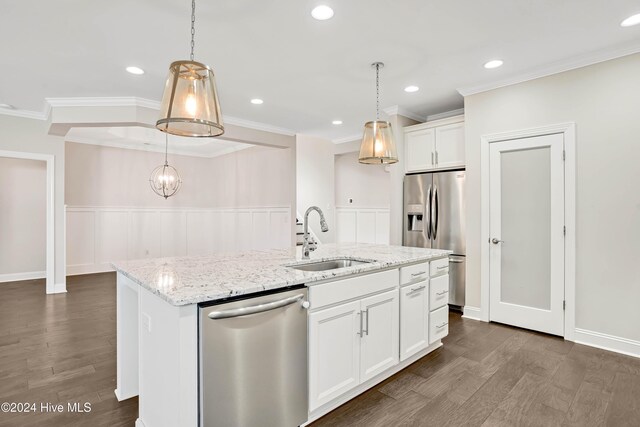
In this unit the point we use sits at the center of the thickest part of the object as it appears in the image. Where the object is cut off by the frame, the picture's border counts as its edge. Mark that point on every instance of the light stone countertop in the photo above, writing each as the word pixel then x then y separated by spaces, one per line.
pixel 195 279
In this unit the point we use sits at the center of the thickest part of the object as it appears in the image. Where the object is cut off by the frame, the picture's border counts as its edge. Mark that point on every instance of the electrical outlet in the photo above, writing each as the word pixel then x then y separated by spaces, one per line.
pixel 146 322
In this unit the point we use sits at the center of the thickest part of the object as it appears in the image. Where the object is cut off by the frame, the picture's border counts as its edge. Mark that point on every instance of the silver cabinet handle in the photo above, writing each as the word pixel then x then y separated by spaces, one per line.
pixel 245 311
pixel 360 332
pixel 366 331
pixel 442 326
pixel 432 162
pixel 417 289
pixel 437 158
pixel 496 241
pixel 442 267
pixel 419 273
pixel 442 293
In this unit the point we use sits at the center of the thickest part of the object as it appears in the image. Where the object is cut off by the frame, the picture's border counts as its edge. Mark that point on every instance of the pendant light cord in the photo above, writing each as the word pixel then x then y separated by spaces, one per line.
pixel 193 26
pixel 166 149
pixel 377 92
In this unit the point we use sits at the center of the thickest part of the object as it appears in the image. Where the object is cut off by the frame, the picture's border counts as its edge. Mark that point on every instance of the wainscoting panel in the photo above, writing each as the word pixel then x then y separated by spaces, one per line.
pixel 97 236
pixel 362 225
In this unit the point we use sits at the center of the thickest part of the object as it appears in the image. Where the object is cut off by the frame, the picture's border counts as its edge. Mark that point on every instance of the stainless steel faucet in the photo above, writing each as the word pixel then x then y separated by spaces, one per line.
pixel 323 226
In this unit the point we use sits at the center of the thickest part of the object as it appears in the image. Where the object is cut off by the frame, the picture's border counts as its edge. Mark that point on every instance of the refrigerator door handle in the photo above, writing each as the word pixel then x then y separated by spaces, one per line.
pixel 434 212
pixel 428 213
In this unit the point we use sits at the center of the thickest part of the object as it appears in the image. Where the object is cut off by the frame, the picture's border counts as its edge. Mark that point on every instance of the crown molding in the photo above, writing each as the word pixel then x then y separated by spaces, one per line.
pixel 556 68
pixel 27 114
pixel 257 126
pixel 446 114
pixel 397 110
pixel 347 139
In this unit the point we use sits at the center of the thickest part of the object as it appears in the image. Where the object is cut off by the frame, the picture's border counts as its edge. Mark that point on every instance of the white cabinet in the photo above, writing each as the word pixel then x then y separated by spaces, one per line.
pixel 439 324
pixel 450 146
pixel 438 292
pixel 414 319
pixel 435 145
pixel 420 149
pixel 334 352
pixel 379 342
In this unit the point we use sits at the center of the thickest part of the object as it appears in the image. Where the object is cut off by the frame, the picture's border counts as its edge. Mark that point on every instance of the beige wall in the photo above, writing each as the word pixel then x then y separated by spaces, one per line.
pixel 30 136
pixel 603 100
pixel 367 185
pixel 315 182
pixel 23 212
pixel 107 176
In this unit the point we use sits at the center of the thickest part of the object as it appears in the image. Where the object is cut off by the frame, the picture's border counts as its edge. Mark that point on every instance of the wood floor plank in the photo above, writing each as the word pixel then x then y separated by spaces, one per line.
pixel 624 407
pixel 589 406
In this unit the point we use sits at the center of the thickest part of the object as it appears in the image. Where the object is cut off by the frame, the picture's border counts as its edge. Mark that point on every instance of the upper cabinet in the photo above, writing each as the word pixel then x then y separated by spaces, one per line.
pixel 435 145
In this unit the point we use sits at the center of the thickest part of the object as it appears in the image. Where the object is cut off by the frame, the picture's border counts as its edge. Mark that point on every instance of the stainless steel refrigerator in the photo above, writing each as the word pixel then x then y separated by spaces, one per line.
pixel 434 210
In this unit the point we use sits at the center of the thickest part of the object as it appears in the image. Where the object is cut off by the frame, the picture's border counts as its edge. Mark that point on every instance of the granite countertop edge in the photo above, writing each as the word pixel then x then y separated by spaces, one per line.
pixel 161 276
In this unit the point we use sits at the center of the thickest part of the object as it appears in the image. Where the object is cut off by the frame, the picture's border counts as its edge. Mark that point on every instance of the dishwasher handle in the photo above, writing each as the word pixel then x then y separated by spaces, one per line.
pixel 260 308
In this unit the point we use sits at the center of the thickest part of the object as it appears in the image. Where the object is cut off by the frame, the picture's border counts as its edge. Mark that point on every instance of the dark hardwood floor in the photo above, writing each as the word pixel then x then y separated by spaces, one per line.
pixel 488 374
pixel 61 348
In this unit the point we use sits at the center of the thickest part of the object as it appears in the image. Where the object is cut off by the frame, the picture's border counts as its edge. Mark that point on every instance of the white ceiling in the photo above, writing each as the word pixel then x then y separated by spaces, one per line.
pixel 308 72
pixel 147 139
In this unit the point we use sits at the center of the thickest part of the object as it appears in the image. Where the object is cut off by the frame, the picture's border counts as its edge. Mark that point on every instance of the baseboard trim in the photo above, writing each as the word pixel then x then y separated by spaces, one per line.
pixel 59 288
pixel 139 423
pixel 608 342
pixel 469 312
pixel 16 277
pixel 76 270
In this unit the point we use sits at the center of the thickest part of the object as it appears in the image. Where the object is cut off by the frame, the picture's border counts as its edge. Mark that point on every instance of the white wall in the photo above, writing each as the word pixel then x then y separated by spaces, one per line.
pixel 603 100
pixel 30 135
pixel 23 222
pixel 367 185
pixel 315 182
pixel 240 201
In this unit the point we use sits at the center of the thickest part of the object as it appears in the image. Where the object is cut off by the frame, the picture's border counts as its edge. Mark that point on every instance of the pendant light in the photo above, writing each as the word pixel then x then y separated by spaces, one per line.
pixel 378 146
pixel 190 104
pixel 165 180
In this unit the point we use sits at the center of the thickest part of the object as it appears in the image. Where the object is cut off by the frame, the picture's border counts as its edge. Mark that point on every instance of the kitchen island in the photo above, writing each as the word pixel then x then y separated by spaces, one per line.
pixel 157 318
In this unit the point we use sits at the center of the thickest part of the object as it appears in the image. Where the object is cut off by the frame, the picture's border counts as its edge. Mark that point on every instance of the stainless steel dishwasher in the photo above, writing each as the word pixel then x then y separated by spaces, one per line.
pixel 253 361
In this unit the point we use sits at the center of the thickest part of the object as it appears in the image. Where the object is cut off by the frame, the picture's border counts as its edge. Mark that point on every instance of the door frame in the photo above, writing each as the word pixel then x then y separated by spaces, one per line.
pixel 50 202
pixel 569 132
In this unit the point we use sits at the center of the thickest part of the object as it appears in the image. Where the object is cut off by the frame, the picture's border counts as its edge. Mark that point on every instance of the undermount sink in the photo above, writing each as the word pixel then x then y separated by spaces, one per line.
pixel 333 264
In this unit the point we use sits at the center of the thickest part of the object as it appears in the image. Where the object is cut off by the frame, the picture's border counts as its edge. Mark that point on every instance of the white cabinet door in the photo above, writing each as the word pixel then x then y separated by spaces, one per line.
pixel 438 292
pixel 450 145
pixel 379 348
pixel 334 352
pixel 414 319
pixel 420 150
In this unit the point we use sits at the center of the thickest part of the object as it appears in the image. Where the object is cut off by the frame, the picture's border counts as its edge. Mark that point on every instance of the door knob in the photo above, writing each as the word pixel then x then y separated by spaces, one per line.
pixel 496 241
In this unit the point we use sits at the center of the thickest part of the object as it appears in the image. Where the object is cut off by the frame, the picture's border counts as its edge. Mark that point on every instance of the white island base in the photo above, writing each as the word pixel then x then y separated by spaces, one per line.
pixel 403 297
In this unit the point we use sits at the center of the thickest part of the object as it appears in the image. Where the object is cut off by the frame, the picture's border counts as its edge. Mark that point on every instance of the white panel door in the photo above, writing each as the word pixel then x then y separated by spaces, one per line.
pixel 414 319
pixel 526 233
pixel 420 150
pixel 366 227
pixel 334 352
pixel 450 146
pixel 346 225
pixel 379 350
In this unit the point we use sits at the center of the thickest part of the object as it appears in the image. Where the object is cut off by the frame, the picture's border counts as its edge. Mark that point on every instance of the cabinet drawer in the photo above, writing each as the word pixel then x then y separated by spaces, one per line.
pixel 438 292
pixel 414 273
pixel 440 266
pixel 347 289
pixel 438 324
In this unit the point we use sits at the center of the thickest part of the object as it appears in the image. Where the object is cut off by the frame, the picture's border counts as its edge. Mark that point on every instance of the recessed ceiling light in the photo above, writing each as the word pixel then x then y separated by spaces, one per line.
pixel 494 63
pixel 336 122
pixel 630 21
pixel 322 12
pixel 411 89
pixel 135 70
pixel 257 101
